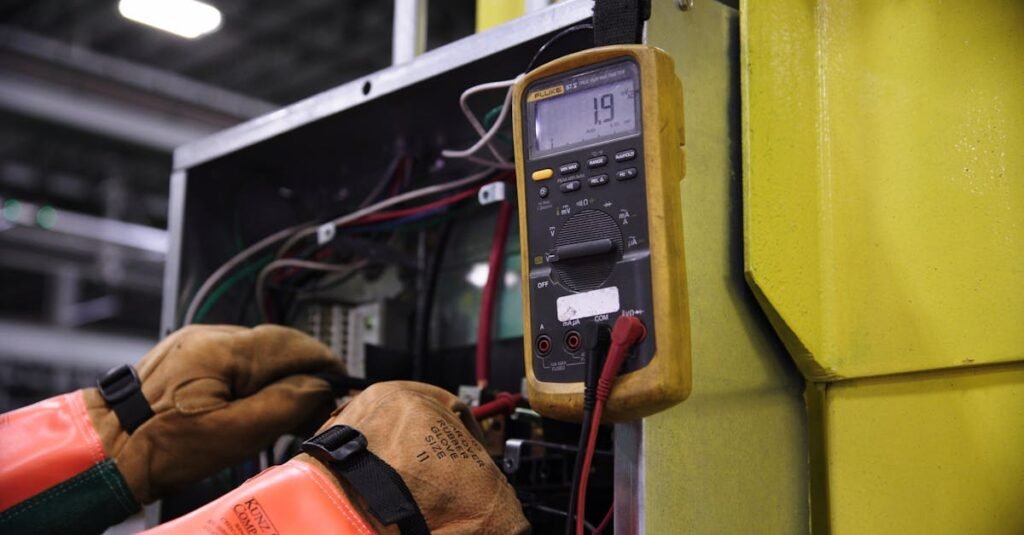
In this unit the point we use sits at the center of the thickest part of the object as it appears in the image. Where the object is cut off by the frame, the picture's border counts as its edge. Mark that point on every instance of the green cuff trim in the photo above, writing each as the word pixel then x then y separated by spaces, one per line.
pixel 87 503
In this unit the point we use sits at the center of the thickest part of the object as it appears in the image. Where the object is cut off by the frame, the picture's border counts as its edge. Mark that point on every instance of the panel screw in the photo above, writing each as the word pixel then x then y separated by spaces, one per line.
pixel 684 5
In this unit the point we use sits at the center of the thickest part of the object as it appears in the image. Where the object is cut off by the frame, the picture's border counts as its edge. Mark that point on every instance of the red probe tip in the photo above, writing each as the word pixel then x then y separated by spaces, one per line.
pixel 628 330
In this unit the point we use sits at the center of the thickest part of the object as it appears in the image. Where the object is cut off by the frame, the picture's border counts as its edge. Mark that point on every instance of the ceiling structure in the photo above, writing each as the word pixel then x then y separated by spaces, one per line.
pixel 275 51
pixel 91 105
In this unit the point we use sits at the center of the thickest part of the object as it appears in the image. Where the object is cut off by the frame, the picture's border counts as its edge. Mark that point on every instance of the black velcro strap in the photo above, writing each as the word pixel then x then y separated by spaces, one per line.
pixel 343 450
pixel 122 390
pixel 620 22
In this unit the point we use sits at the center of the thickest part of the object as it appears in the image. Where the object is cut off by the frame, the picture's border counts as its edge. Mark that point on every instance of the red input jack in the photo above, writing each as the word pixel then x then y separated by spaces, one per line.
pixel 573 341
pixel 543 344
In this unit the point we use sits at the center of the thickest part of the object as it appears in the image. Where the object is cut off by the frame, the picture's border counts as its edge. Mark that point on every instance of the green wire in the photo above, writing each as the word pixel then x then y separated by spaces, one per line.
pixel 254 267
pixel 219 292
pixel 488 120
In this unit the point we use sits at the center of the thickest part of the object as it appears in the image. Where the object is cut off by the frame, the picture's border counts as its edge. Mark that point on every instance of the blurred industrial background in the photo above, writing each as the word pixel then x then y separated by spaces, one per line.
pixel 92 105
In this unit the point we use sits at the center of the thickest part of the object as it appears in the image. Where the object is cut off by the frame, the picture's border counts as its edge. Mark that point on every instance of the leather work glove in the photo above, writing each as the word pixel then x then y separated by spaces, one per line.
pixel 426 436
pixel 220 395
pixel 209 397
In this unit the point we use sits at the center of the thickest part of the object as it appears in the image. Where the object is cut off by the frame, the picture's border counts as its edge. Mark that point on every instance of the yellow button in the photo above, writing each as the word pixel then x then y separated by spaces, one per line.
pixel 543 174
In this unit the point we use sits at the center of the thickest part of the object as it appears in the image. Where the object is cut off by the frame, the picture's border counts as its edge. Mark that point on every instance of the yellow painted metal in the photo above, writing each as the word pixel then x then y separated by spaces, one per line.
pixel 490 13
pixel 941 453
pixel 732 459
pixel 884 181
pixel 884 224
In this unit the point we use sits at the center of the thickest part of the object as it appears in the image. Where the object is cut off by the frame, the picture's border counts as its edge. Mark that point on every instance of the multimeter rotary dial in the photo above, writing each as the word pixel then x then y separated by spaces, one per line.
pixel 586 250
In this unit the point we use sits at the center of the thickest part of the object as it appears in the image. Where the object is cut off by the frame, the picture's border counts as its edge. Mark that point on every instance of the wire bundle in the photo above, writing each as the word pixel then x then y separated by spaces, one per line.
pixel 628 330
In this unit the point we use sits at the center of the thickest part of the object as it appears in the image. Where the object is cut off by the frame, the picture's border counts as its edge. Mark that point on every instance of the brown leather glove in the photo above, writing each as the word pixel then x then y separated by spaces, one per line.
pixel 220 394
pixel 432 440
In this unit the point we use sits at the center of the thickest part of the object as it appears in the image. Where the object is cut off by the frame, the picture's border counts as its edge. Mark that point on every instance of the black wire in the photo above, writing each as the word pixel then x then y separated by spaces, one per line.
pixel 553 511
pixel 425 303
pixel 556 37
pixel 598 338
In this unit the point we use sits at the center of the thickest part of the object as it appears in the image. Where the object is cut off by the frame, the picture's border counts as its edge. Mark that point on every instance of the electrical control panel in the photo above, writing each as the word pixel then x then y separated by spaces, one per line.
pixel 599 150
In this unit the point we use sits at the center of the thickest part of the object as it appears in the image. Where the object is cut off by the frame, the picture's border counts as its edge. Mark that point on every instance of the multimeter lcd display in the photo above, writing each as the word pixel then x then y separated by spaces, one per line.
pixel 584 109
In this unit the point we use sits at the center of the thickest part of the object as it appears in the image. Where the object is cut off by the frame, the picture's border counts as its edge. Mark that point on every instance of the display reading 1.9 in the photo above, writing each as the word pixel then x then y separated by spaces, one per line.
pixel 584 109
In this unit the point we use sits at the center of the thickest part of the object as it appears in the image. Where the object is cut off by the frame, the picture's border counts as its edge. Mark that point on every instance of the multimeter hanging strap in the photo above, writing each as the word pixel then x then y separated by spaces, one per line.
pixel 620 22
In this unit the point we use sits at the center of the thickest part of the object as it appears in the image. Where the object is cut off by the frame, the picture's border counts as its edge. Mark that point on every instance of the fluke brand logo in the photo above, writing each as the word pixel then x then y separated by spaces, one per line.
pixel 541 94
pixel 253 518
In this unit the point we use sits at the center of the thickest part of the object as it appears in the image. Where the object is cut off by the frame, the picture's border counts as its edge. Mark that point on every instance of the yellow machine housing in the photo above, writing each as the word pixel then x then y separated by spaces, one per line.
pixel 664 379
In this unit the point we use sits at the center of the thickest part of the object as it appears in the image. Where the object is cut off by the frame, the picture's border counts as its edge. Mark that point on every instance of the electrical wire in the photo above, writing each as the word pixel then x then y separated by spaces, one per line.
pixel 349 269
pixel 553 511
pixel 425 303
pixel 471 117
pixel 604 521
pixel 231 264
pixel 219 292
pixel 303 232
pixel 390 175
pixel 556 37
pixel 490 294
pixel 503 403
pixel 488 135
pixel 598 339
pixel 418 210
pixel 628 330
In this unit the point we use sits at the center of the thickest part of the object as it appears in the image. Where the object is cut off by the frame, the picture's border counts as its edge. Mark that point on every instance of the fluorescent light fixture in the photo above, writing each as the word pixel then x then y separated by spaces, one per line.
pixel 186 18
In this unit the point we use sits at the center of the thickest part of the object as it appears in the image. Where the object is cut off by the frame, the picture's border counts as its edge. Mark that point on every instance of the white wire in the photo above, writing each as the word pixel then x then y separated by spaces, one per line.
pixel 304 264
pixel 471 117
pixel 299 232
pixel 223 270
pixel 487 136
pixel 507 166
pixel 391 201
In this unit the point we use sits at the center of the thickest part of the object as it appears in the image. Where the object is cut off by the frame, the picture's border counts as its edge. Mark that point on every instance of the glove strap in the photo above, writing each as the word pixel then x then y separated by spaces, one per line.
pixel 122 390
pixel 343 450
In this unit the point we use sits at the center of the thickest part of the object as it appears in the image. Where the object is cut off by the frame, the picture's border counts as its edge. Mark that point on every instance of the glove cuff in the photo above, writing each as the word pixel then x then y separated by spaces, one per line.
pixel 46 444
pixel 114 440
pixel 292 498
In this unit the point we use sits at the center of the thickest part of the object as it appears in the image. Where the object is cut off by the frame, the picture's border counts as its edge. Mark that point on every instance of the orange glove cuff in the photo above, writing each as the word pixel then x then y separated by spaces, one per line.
pixel 45 444
pixel 293 498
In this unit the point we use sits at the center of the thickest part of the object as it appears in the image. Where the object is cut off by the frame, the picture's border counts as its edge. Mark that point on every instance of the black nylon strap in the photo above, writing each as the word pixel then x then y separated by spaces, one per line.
pixel 122 390
pixel 343 450
pixel 620 22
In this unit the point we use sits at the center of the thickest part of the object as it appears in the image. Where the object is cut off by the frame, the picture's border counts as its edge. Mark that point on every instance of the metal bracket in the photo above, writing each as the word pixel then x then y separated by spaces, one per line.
pixel 514 452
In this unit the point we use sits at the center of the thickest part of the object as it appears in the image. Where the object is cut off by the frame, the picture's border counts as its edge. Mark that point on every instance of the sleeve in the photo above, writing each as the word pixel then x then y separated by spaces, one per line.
pixel 54 474
pixel 291 499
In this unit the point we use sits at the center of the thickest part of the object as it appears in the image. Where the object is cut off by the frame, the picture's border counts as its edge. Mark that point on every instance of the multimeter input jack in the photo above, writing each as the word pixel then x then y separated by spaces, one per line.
pixel 573 341
pixel 543 344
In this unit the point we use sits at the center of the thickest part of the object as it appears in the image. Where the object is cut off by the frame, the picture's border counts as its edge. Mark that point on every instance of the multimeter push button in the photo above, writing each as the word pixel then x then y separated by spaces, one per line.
pixel 570 186
pixel 598 180
pixel 598 161
pixel 625 174
pixel 542 174
pixel 625 156
pixel 569 168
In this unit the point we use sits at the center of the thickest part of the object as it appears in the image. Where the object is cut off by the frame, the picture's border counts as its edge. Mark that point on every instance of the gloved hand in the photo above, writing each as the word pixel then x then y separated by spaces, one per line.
pixel 220 394
pixel 430 437
pixel 425 434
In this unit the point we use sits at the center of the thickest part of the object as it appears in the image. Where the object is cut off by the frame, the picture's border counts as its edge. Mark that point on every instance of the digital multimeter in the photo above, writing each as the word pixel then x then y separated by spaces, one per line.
pixel 599 156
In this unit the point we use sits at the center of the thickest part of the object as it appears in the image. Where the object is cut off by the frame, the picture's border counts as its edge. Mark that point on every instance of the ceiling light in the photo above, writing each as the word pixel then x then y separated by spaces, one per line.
pixel 187 18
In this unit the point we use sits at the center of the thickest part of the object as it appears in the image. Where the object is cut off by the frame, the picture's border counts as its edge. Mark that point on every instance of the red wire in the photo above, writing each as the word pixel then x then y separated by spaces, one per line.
pixel 604 521
pixel 490 295
pixel 628 330
pixel 395 214
pixel 504 403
